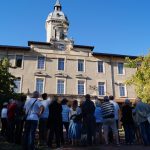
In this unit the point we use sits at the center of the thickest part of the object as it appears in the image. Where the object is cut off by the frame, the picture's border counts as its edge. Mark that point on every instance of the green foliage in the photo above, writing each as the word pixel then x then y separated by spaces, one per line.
pixel 6 80
pixel 141 79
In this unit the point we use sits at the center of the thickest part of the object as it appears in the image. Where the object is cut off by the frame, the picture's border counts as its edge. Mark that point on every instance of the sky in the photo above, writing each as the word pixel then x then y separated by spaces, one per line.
pixel 111 26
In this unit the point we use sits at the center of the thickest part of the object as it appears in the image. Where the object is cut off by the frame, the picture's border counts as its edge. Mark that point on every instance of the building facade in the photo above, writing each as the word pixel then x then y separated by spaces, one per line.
pixel 61 67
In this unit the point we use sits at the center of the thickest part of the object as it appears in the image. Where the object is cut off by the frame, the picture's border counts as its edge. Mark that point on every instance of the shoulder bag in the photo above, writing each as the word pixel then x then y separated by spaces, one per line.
pixel 26 115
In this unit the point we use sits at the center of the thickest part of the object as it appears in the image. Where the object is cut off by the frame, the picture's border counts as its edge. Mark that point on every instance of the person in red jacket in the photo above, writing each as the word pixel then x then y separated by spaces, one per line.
pixel 12 106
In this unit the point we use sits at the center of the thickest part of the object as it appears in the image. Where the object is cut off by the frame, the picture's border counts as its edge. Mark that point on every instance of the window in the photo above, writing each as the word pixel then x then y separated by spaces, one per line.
pixel 120 68
pixel 122 90
pixel 18 85
pixel 40 85
pixel 19 59
pixel 60 87
pixel 80 65
pixel 101 88
pixel 61 47
pixel 41 62
pixel 100 66
pixel 81 86
pixel 61 64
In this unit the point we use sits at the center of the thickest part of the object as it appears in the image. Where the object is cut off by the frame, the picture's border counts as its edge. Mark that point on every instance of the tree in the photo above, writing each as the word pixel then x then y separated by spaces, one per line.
pixel 7 84
pixel 141 79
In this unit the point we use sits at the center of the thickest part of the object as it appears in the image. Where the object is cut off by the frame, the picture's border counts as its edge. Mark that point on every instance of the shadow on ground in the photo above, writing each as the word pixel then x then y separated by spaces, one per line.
pixel 7 146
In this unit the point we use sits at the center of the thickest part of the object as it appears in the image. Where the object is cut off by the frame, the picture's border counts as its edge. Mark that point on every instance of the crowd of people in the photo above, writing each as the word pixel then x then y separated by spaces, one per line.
pixel 50 122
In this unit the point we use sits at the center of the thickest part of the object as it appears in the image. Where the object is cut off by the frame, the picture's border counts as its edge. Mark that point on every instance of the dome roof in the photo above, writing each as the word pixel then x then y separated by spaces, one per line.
pixel 58 15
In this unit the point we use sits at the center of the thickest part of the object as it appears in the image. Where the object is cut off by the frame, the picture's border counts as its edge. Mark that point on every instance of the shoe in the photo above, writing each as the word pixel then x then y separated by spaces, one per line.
pixel 58 148
pixel 131 143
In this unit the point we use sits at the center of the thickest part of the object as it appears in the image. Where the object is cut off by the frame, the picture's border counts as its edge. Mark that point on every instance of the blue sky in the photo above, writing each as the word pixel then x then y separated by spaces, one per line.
pixel 112 26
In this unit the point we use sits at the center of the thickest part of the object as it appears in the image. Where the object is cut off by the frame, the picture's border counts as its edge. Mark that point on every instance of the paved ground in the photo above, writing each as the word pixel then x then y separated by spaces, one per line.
pixel 7 146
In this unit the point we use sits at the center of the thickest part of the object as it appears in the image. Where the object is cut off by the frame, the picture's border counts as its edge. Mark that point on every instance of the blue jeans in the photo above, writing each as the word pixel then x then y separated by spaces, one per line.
pixel 145 132
pixel 29 134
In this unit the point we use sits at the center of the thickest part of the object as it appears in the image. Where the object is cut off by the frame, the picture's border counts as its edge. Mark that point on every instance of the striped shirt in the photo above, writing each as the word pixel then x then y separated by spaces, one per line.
pixel 107 110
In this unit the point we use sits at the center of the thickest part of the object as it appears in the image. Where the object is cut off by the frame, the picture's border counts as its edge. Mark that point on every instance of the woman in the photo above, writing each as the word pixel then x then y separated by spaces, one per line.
pixel 4 119
pixel 99 120
pixel 75 123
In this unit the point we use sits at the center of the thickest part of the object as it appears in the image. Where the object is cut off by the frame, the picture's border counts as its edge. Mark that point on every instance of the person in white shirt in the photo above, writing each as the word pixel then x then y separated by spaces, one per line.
pixel 75 123
pixel 116 113
pixel 33 109
pixel 4 119
pixel 43 119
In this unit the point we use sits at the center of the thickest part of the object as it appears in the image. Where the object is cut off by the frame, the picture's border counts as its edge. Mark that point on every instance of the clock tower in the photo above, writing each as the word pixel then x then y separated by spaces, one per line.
pixel 57 24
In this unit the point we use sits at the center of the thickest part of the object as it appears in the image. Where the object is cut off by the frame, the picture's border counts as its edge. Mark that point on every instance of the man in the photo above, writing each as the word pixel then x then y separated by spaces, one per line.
pixel 55 122
pixel 89 123
pixel 127 121
pixel 19 119
pixel 33 109
pixel 117 109
pixel 142 111
pixel 65 117
pixel 109 120
pixel 43 119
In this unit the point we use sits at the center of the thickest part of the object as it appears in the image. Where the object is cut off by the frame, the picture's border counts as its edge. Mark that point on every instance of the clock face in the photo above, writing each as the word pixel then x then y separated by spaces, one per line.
pixel 61 47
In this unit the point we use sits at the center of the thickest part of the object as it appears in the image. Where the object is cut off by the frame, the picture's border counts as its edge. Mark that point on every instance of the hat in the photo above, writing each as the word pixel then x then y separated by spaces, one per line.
pixel 127 101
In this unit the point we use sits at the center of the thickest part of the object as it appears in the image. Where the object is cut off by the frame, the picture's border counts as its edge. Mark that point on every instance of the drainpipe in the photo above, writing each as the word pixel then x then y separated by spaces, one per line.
pixel 112 77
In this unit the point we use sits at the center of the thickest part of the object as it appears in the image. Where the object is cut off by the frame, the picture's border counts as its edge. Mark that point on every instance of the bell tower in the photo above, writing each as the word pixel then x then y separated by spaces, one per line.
pixel 57 24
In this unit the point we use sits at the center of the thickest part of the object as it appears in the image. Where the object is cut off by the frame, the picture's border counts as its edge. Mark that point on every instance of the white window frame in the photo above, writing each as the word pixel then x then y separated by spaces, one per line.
pixel 83 65
pixel 20 90
pixel 22 60
pixel 118 68
pixel 64 85
pixel 43 83
pixel 44 63
pixel 124 88
pixel 105 90
pixel 84 86
pixel 103 66
pixel 58 63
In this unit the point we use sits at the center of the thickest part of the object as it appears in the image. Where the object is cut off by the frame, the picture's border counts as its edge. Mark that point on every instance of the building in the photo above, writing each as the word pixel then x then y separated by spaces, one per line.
pixel 58 66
